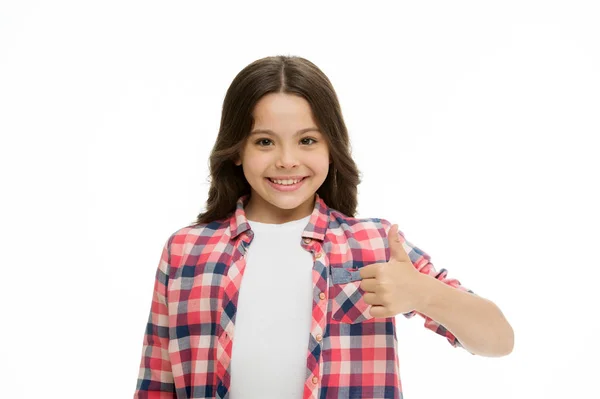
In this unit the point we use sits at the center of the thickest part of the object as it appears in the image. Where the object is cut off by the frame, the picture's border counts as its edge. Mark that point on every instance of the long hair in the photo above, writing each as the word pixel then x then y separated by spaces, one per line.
pixel 278 74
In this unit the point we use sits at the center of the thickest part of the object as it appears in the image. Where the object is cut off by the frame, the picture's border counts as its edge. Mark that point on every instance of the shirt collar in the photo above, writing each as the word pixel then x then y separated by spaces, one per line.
pixel 316 227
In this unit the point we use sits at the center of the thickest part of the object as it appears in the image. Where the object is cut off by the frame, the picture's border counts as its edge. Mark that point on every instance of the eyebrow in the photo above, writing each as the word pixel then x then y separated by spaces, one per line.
pixel 272 133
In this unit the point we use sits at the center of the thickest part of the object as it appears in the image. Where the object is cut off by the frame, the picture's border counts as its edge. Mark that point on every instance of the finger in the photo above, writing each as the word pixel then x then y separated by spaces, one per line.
pixel 368 284
pixel 368 271
pixel 372 299
pixel 395 240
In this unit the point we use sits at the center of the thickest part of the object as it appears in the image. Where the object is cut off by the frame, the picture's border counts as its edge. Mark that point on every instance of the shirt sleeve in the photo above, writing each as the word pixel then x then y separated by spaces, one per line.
pixel 422 262
pixel 155 378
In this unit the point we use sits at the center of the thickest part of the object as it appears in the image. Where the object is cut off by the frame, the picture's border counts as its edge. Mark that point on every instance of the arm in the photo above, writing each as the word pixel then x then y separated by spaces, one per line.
pixel 155 378
pixel 452 310
pixel 476 322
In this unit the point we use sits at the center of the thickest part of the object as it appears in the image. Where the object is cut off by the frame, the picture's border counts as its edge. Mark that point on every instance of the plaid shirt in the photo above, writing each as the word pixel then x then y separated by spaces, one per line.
pixel 188 339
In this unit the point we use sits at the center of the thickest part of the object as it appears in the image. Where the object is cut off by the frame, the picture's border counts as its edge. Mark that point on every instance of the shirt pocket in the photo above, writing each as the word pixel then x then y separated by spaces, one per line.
pixel 347 301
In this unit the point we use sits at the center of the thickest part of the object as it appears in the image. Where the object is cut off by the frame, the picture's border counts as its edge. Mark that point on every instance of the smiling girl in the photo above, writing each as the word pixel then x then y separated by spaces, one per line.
pixel 277 290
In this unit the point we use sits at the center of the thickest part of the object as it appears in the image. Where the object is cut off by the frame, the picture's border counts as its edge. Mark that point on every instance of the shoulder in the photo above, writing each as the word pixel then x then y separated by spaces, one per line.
pixel 367 228
pixel 184 239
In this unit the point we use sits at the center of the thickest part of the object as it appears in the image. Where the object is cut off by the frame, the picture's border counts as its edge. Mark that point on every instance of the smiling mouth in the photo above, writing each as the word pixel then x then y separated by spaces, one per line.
pixel 287 179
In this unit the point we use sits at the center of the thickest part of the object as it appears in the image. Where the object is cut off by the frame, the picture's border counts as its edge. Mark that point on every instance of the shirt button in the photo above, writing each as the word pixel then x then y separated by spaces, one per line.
pixel 322 295
pixel 306 240
pixel 319 337
pixel 315 380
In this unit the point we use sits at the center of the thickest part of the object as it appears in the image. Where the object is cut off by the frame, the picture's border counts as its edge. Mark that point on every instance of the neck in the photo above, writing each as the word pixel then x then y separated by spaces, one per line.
pixel 268 213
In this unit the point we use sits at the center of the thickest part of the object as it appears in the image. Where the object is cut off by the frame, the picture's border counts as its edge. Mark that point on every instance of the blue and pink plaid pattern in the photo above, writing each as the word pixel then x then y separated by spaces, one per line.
pixel 188 339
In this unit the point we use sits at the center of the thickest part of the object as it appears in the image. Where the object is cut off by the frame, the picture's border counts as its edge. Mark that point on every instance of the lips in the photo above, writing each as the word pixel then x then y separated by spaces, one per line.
pixel 273 179
pixel 288 178
pixel 283 187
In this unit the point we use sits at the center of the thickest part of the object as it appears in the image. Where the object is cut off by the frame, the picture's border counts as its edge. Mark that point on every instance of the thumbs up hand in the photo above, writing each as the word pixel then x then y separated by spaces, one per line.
pixel 393 287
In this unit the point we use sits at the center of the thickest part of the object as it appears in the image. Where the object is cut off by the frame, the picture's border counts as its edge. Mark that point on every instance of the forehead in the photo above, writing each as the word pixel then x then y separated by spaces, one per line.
pixel 282 109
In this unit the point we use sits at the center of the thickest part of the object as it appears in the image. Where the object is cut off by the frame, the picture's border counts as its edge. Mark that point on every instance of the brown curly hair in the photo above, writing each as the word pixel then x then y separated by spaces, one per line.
pixel 278 74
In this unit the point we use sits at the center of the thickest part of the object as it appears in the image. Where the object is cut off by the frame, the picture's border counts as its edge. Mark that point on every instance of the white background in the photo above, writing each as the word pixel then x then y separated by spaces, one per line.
pixel 474 125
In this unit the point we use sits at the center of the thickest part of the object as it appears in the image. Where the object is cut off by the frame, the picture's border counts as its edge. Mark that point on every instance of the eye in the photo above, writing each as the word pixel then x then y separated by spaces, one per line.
pixel 260 141
pixel 309 138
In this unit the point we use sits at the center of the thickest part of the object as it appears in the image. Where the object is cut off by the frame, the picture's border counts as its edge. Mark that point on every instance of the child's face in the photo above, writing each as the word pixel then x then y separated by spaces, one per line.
pixel 283 153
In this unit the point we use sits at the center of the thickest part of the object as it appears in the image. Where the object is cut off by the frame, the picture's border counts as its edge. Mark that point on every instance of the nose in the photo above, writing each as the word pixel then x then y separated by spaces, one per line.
pixel 287 159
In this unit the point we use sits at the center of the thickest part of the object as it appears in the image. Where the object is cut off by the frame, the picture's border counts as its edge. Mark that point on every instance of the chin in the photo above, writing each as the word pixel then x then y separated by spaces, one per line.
pixel 288 203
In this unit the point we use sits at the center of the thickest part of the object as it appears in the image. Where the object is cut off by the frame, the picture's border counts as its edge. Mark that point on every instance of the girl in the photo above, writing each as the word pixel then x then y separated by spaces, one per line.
pixel 279 218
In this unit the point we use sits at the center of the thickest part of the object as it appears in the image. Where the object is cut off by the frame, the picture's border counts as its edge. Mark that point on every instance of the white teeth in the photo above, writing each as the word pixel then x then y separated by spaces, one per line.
pixel 285 182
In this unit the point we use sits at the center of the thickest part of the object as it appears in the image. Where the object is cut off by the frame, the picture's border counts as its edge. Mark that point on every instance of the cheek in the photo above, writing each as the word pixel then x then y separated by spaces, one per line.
pixel 322 163
pixel 256 170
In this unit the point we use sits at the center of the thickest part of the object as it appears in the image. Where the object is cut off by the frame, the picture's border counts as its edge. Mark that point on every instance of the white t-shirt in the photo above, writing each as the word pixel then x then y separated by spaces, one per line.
pixel 274 313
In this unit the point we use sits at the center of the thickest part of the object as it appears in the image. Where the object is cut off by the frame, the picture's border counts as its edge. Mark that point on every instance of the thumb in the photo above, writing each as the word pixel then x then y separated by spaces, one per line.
pixel 397 251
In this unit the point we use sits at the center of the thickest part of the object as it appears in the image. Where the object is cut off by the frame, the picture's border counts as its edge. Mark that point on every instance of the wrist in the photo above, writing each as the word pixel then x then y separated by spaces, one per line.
pixel 428 289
